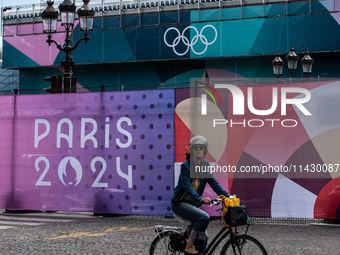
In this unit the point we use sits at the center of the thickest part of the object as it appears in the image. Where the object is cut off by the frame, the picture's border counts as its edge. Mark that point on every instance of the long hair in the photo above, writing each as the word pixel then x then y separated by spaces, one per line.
pixel 187 154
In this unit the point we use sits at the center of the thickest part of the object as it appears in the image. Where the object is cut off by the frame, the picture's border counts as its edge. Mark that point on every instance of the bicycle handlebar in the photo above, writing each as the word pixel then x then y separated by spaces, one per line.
pixel 215 202
pixel 218 201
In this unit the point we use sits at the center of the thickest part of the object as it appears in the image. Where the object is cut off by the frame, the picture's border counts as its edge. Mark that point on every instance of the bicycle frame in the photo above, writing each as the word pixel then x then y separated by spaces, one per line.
pixel 212 246
pixel 161 229
pixel 224 232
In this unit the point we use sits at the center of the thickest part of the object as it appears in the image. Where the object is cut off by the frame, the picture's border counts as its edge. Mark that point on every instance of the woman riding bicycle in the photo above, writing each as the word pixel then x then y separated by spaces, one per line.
pixel 187 196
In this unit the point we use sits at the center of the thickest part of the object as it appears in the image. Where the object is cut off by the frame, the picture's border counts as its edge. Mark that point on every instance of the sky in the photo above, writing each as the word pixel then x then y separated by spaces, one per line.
pixel 5 3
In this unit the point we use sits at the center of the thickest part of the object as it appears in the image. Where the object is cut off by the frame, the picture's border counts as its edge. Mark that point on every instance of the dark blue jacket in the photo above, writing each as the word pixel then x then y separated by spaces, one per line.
pixel 183 190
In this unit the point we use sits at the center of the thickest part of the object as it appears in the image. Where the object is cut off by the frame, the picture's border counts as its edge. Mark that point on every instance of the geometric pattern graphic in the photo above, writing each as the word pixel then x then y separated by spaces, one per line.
pixel 287 204
pixel 327 205
pixel 289 154
pixel 215 34
pixel 209 37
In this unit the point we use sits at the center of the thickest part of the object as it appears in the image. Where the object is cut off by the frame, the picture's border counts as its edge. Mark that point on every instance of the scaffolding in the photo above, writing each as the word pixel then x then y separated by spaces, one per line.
pixel 9 80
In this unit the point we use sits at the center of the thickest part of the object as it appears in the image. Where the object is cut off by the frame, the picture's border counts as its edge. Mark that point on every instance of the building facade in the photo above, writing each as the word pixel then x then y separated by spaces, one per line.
pixel 162 44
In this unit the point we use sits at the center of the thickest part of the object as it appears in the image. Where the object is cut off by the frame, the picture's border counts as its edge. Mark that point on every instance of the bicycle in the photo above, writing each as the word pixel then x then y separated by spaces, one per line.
pixel 173 240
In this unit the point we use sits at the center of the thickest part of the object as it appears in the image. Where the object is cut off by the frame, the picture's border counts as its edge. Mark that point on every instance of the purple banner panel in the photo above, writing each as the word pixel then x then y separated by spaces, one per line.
pixel 109 152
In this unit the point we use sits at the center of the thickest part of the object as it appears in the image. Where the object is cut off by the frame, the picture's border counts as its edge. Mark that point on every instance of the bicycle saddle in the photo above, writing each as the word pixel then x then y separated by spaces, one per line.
pixel 182 220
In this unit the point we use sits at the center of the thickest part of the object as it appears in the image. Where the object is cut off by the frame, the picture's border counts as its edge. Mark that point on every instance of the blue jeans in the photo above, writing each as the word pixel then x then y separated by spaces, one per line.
pixel 199 220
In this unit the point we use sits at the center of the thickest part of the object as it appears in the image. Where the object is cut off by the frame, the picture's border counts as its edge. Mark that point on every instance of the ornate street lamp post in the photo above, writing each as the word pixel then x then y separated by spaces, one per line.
pixel 277 66
pixel 67 13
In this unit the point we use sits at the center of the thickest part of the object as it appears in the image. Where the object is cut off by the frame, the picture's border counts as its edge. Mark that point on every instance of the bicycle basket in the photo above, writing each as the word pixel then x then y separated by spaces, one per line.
pixel 177 242
pixel 234 214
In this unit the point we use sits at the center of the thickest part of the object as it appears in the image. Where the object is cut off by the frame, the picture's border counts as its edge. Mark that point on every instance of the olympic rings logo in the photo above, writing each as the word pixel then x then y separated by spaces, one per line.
pixel 190 43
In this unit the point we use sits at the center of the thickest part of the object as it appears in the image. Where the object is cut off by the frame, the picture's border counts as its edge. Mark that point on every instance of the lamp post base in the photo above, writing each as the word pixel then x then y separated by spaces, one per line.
pixel 68 76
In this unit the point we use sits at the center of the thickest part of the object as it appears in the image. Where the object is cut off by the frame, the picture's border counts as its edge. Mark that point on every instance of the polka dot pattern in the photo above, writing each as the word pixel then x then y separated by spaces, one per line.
pixel 135 129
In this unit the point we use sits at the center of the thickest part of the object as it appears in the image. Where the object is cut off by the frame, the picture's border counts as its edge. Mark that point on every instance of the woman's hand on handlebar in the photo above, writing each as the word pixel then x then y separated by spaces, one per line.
pixel 206 200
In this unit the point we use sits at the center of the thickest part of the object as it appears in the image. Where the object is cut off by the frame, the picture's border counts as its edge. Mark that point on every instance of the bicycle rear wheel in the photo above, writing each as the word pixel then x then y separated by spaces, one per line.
pixel 160 245
pixel 243 245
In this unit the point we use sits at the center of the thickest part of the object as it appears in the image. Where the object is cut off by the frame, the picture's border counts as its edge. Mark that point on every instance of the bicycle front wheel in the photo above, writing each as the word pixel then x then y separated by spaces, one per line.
pixel 160 245
pixel 243 245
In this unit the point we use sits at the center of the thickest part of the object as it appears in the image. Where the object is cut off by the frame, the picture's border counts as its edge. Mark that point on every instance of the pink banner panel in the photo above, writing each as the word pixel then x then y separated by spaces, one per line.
pixel 7 148
pixel 106 152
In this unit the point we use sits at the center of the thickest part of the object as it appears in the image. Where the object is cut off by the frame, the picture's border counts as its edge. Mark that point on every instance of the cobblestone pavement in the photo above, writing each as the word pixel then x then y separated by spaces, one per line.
pixel 55 233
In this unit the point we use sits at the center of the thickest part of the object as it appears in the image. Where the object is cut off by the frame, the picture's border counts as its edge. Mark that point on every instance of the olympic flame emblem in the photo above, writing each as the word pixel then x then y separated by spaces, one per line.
pixel 67 166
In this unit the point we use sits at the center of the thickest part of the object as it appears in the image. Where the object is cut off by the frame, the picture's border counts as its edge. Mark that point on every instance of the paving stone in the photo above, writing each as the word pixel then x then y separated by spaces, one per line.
pixel 133 235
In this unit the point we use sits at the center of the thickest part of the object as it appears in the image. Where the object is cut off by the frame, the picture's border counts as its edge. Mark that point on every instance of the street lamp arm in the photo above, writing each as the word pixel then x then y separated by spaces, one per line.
pixel 50 40
pixel 85 38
